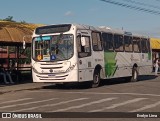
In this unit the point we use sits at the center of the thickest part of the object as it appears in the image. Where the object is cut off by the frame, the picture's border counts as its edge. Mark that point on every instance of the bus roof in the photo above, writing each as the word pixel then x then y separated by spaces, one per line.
pixel 108 30
pixel 101 29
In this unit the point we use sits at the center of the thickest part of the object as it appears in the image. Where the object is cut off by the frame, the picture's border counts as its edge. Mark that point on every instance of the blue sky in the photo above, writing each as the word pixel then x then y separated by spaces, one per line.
pixel 90 12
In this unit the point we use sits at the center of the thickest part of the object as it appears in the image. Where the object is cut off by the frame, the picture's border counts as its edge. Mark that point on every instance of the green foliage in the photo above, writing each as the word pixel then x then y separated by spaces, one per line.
pixel 9 18
pixel 23 22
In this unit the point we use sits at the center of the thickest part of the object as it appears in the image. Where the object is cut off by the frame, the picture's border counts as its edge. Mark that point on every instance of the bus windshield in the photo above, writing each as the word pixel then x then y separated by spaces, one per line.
pixel 53 48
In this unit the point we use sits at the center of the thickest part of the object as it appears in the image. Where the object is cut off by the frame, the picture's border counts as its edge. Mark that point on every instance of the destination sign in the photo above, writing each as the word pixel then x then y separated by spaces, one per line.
pixel 53 29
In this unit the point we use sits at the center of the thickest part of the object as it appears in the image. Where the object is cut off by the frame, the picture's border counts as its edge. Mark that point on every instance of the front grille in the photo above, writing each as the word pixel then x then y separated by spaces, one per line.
pixel 52 67
pixel 53 71
pixel 54 77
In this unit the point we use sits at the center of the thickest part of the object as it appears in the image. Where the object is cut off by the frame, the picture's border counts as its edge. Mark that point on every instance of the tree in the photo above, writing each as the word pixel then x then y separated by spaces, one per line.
pixel 9 18
pixel 23 22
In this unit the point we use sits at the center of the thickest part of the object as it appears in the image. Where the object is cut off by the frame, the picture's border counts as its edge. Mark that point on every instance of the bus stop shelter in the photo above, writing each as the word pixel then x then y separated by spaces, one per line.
pixel 15 44
pixel 155 45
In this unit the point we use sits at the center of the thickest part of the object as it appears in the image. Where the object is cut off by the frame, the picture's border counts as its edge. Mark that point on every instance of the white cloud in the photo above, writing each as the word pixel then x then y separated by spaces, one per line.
pixel 69 13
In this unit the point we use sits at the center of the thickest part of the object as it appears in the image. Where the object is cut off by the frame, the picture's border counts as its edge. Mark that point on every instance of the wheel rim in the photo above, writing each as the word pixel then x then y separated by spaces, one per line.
pixel 135 75
pixel 96 80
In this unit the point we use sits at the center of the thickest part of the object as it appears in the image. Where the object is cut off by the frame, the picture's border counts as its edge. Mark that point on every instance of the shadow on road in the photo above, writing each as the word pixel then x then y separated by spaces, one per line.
pixel 127 80
pixel 147 77
pixel 86 85
pixel 68 86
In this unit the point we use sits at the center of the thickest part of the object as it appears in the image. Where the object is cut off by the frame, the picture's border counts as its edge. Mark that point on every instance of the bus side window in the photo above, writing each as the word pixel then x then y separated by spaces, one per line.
pixel 128 44
pixel 83 51
pixel 108 41
pixel 118 43
pixel 136 44
pixel 97 41
pixel 148 45
pixel 144 45
pixel 79 44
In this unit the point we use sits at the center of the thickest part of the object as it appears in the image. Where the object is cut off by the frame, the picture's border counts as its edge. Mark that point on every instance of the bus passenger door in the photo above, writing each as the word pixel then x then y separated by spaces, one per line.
pixel 84 57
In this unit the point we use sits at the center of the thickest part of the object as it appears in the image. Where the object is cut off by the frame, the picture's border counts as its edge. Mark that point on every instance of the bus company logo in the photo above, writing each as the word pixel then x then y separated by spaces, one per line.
pixel 6 115
pixel 51 70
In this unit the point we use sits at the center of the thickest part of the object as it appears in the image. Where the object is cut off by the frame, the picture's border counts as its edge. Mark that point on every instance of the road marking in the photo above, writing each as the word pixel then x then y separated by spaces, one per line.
pixel 84 105
pixel 118 104
pixel 10 106
pixel 39 91
pixel 51 105
pixel 146 107
pixel 101 93
pixel 11 101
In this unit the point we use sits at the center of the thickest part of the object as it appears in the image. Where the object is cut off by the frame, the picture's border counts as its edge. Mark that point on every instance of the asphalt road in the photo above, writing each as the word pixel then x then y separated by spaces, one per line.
pixel 114 98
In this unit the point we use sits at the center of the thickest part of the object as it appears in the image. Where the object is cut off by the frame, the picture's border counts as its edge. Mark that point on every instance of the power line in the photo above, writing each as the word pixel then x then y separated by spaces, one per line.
pixel 144 4
pixel 132 7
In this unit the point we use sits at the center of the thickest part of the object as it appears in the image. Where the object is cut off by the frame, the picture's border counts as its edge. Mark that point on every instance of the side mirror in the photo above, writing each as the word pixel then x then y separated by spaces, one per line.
pixel 26 37
pixel 84 41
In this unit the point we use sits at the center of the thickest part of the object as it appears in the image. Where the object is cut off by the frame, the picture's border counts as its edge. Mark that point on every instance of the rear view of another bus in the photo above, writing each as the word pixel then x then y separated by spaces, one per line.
pixel 53 58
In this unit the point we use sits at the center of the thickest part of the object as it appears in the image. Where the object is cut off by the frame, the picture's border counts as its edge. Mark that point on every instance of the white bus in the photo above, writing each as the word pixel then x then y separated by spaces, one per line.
pixel 78 53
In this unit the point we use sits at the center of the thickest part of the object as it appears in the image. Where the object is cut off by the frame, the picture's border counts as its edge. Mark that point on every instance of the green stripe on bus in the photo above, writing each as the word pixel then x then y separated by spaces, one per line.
pixel 110 63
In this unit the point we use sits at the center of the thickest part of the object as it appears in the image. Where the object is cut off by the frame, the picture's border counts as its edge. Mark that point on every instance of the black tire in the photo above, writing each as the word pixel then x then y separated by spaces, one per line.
pixel 134 77
pixel 96 79
pixel 128 78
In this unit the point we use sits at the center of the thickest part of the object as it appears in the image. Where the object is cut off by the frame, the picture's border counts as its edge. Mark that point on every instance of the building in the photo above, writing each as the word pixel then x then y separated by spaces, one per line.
pixel 155 45
pixel 15 42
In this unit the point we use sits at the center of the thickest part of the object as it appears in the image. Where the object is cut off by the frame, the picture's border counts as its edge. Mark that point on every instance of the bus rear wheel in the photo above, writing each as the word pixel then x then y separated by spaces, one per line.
pixel 96 79
pixel 134 77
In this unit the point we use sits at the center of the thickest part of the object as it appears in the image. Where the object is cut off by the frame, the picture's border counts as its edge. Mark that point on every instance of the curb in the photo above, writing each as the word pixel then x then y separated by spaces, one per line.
pixel 28 87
